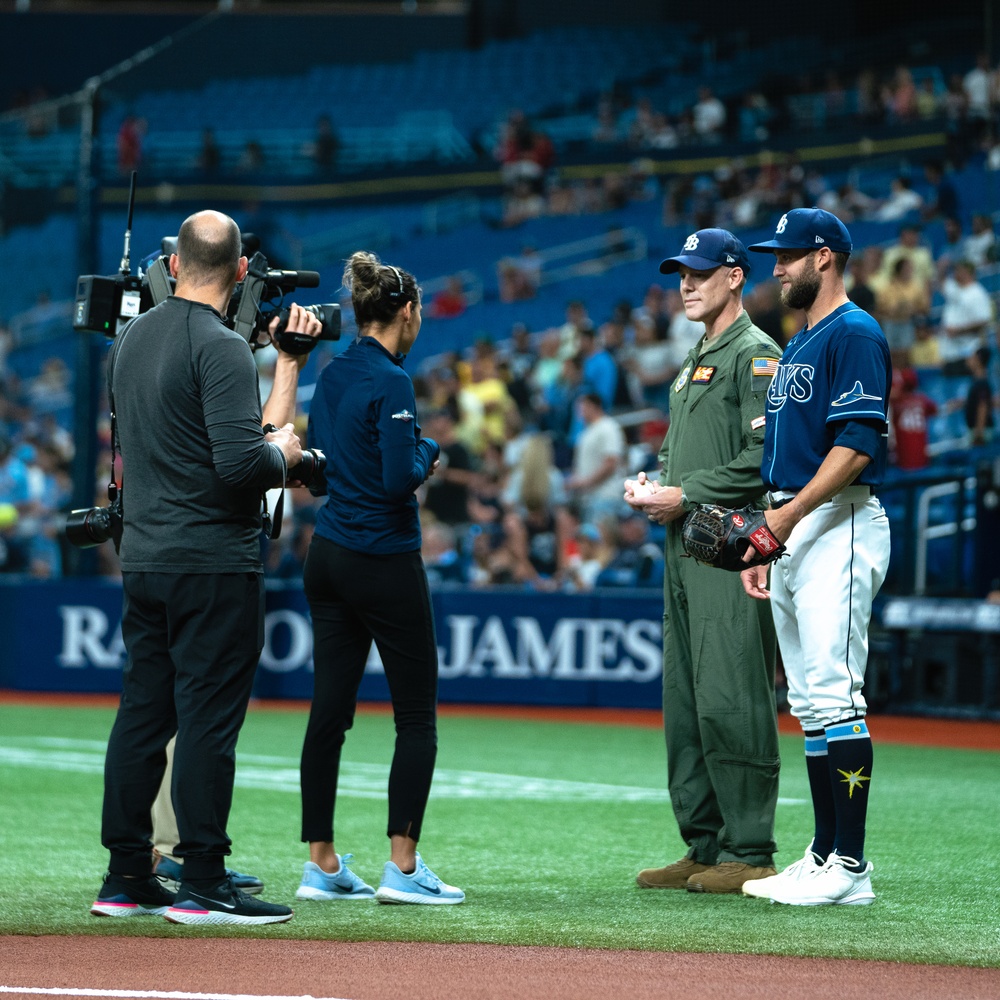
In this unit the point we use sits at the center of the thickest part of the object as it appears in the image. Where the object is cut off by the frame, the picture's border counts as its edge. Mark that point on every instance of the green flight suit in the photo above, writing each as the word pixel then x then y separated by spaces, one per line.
pixel 719 644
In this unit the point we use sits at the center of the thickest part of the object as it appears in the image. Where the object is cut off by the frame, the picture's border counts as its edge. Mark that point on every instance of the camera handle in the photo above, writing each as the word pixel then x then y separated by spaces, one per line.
pixel 244 322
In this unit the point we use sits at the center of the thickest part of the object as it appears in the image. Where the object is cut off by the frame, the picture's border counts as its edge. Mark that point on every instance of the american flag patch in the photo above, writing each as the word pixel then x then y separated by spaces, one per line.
pixel 764 366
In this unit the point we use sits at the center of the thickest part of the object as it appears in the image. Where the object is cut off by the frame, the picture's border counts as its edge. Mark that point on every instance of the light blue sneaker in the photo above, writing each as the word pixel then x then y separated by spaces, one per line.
pixel 422 886
pixel 342 884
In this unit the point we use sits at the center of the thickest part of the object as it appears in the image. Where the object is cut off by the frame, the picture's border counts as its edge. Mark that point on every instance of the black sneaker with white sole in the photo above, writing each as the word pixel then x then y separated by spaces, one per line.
pixel 223 904
pixel 125 896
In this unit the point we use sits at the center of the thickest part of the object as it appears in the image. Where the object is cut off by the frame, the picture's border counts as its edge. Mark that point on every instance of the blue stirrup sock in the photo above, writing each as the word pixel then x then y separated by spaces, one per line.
pixel 849 753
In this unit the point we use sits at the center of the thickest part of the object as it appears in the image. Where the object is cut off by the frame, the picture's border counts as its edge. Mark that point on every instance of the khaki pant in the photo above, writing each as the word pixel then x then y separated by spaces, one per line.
pixel 165 835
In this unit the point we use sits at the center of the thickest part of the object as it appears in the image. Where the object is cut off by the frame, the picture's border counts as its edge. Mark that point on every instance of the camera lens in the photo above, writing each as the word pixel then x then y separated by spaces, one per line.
pixel 88 527
pixel 303 470
pixel 310 471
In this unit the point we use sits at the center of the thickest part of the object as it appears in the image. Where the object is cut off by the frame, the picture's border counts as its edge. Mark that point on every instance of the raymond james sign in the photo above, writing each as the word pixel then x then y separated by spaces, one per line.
pixel 514 647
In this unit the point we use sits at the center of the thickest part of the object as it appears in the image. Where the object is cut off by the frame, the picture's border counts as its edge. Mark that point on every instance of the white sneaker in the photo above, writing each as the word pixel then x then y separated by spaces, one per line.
pixel 807 865
pixel 831 885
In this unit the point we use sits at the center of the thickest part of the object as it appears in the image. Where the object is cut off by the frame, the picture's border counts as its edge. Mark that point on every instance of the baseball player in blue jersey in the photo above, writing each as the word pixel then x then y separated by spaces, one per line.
pixel 824 456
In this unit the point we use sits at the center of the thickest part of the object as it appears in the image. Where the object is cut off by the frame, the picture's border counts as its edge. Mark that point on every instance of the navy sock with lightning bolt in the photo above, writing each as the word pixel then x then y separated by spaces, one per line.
pixel 849 749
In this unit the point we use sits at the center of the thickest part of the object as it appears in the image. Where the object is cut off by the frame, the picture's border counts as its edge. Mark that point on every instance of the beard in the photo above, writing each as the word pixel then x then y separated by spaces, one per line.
pixel 802 292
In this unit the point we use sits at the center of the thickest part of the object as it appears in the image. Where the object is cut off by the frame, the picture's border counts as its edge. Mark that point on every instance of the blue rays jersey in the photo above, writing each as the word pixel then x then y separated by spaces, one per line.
pixel 839 370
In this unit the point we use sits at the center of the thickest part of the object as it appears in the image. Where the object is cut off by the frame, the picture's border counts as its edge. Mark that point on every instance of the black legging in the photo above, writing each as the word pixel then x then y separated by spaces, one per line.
pixel 355 598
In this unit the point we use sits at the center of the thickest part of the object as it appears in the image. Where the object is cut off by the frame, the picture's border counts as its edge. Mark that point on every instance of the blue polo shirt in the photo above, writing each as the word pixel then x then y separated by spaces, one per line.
pixel 363 418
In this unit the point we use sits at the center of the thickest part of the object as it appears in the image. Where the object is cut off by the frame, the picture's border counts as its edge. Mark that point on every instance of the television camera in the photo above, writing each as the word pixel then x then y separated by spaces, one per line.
pixel 104 303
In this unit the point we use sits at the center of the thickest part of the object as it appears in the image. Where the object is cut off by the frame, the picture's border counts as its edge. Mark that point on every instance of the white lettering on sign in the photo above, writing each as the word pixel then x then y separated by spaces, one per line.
pixel 519 648
pixel 298 632
pixel 86 641
pixel 577 649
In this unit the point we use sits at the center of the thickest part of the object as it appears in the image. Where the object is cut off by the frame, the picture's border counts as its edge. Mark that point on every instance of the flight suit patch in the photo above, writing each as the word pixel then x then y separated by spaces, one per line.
pixel 757 423
pixel 703 374
pixel 682 379
pixel 762 370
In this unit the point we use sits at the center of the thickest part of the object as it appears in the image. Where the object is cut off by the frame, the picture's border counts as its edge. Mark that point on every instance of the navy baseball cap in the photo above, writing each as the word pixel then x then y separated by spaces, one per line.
pixel 706 250
pixel 807 229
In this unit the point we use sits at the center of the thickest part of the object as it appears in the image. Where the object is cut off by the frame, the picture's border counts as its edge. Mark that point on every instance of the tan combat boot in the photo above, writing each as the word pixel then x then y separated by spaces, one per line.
pixel 674 876
pixel 727 877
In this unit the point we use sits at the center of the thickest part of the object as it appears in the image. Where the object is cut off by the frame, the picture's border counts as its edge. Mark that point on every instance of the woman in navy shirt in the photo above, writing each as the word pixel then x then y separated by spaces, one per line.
pixel 365 581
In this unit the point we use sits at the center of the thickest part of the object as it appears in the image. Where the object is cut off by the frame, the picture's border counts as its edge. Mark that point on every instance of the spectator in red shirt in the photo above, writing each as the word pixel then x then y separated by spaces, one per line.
pixel 129 143
pixel 450 301
pixel 909 411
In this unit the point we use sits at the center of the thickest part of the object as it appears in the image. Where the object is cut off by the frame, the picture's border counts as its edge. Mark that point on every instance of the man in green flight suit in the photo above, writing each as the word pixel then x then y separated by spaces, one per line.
pixel 719 646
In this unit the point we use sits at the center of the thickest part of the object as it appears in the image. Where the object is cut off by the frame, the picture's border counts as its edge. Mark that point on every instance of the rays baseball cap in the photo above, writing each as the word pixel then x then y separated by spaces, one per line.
pixel 807 229
pixel 706 250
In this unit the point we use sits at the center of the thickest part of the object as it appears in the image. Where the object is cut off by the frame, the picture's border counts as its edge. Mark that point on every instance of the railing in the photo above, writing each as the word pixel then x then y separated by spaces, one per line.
pixel 594 255
pixel 926 531
pixel 446 214
pixel 336 244
pixel 936 504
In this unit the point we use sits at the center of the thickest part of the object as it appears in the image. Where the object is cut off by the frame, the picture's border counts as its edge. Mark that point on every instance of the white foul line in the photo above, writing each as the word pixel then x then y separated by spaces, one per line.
pixel 173 995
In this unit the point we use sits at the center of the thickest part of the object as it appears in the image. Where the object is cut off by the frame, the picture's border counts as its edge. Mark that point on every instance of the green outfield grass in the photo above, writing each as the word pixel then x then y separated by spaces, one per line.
pixel 544 824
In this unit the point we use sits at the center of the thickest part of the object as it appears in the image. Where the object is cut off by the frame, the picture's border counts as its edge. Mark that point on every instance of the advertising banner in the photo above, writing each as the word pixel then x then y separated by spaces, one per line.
pixel 499 647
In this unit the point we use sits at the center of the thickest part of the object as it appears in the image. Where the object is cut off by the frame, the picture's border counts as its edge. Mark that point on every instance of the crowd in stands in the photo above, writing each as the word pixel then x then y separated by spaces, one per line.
pixel 539 428
pixel 967 103
pixel 36 452
pixel 644 117
pixel 736 195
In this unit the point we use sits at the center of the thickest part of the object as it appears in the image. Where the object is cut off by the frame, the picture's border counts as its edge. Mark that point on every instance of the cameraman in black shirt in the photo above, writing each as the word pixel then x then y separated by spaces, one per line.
pixel 195 461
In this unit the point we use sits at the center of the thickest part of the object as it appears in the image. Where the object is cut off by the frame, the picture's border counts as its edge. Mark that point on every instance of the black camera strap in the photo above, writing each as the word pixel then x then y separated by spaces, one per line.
pixel 271 526
pixel 114 493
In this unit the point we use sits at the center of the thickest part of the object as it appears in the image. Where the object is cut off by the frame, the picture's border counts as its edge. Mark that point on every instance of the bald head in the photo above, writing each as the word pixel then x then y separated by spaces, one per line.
pixel 208 250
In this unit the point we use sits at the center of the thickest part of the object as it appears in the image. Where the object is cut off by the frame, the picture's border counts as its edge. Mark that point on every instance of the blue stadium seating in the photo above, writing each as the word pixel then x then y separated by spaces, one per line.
pixel 432 107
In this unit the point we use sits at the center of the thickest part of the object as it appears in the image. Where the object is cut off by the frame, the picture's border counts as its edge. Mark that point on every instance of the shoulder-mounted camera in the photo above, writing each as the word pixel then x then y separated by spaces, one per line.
pixel 104 303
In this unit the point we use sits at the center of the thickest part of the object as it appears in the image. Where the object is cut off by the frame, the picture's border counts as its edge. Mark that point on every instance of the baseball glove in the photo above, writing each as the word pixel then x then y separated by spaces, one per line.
pixel 720 537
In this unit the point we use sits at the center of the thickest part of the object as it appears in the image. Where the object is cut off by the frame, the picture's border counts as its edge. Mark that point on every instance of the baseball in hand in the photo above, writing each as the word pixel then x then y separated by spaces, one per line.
pixel 638 489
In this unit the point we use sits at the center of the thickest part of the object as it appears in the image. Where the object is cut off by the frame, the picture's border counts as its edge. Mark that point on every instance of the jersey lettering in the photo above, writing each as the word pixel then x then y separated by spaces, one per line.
pixel 793 382
pixel 912 419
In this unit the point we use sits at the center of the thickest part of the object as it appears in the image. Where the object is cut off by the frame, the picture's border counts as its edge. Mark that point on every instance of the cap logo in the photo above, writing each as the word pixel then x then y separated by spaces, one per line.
pixel 691 243
pixel 819 239
pixel 730 259
pixel 782 225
